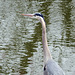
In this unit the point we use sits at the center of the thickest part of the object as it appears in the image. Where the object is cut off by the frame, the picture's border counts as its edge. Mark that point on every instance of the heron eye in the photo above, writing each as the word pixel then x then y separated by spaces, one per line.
pixel 35 15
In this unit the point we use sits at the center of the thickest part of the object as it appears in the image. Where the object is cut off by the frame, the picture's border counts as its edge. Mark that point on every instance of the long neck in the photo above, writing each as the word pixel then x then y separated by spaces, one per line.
pixel 47 54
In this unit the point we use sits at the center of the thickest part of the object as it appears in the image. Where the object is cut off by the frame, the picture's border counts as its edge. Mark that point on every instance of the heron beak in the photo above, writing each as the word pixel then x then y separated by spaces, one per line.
pixel 30 15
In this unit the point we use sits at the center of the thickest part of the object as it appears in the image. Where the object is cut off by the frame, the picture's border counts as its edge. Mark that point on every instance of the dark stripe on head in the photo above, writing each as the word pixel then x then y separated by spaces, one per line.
pixel 37 14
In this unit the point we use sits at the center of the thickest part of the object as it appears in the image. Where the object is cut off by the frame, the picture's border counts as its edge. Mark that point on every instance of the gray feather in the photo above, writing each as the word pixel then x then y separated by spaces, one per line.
pixel 52 68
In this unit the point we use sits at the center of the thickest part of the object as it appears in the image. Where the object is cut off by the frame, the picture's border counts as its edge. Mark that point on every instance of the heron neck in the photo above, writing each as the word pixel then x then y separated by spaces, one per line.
pixel 47 54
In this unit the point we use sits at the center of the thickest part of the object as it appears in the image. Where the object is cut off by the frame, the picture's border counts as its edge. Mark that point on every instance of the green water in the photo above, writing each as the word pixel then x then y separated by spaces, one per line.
pixel 21 51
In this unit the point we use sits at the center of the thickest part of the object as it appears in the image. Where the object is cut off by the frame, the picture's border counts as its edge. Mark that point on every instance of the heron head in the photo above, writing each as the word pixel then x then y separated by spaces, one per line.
pixel 36 16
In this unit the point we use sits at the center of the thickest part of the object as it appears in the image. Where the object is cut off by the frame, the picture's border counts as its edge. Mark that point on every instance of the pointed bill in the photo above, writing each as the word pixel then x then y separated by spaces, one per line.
pixel 30 15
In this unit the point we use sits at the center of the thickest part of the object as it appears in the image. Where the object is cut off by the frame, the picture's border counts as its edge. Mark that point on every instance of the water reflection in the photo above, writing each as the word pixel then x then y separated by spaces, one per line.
pixel 20 38
pixel 68 26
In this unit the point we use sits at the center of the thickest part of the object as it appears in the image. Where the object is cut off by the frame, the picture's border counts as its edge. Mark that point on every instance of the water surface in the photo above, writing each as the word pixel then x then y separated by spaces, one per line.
pixel 21 51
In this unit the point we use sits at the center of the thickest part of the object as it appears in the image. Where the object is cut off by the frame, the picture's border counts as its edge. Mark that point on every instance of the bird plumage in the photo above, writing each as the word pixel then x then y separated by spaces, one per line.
pixel 50 66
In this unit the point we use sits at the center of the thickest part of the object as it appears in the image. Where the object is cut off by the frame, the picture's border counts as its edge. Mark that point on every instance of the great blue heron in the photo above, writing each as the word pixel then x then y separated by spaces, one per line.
pixel 50 66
